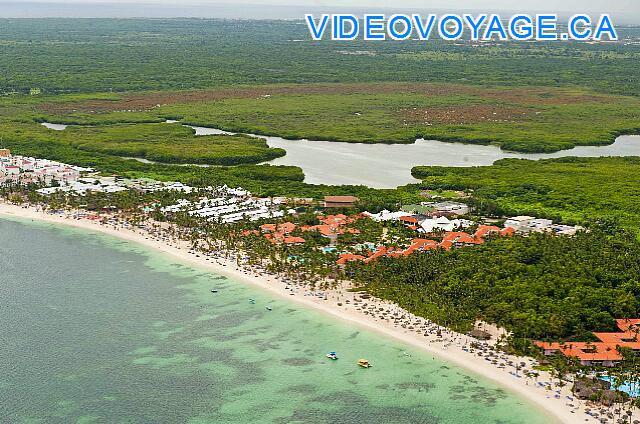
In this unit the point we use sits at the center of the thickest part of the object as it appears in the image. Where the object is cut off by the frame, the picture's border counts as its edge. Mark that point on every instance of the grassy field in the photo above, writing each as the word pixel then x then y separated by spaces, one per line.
pixel 532 119
pixel 132 134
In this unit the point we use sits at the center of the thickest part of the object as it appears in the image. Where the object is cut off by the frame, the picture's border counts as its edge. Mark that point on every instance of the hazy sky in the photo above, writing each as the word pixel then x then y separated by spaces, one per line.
pixel 617 5
pixel 623 11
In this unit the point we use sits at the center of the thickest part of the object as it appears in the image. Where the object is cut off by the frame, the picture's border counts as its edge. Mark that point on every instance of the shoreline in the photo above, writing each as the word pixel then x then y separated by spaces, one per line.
pixel 552 403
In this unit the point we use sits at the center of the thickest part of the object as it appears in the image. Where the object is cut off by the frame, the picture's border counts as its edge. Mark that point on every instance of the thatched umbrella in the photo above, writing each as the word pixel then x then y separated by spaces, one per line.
pixel 479 334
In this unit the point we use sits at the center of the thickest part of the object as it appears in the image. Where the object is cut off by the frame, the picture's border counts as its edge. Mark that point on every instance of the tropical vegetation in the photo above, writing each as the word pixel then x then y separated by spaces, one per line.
pixel 570 190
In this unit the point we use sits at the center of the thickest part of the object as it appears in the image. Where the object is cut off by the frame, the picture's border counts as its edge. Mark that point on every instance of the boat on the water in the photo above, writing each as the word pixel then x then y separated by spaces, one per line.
pixel 364 363
pixel 269 308
pixel 332 355
pixel 214 291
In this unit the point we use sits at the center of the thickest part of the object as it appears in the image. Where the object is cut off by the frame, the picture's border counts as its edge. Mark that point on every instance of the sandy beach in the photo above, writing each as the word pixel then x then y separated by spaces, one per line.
pixel 553 401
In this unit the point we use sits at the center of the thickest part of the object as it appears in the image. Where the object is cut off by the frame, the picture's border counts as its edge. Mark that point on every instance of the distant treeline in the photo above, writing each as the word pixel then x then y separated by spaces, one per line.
pixel 60 56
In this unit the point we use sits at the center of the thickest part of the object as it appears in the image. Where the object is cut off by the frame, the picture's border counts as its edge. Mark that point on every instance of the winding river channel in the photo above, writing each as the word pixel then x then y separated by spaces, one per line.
pixel 389 165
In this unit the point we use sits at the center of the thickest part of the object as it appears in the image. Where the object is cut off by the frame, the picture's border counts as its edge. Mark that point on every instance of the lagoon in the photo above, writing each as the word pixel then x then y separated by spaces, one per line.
pixel 96 329
pixel 389 165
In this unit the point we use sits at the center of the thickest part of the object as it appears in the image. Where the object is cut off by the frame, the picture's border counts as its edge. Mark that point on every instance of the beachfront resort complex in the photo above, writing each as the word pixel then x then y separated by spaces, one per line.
pixel 338 230
pixel 212 215
pixel 439 221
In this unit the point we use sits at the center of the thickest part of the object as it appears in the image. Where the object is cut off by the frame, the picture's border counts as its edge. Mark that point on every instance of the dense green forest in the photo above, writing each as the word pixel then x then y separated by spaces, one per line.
pixel 101 55
pixel 170 143
pixel 525 96
pixel 567 189
pixel 539 287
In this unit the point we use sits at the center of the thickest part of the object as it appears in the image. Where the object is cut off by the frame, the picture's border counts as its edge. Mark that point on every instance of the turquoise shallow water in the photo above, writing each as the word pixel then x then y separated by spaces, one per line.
pixel 94 329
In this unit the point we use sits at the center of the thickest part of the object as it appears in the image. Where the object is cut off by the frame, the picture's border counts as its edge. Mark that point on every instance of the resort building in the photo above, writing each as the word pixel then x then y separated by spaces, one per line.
pixel 340 201
pixel 451 239
pixel 24 170
pixel 604 352
pixel 431 225
pixel 411 222
pixel 518 222
pixel 349 257
pixel 525 224
pixel 280 233
pixel 386 215
pixel 330 226
pixel 529 224
pixel 226 205
pixel 448 208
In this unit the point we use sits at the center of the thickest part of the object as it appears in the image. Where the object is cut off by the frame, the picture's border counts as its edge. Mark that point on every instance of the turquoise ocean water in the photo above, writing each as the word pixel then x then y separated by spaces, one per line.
pixel 98 330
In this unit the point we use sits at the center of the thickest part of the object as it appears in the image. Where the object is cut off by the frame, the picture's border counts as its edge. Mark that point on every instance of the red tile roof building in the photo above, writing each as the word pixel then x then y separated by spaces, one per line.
pixel 348 257
pixel 278 234
pixel 605 352
pixel 331 226
pixel 409 220
pixel 334 224
pixel 450 239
